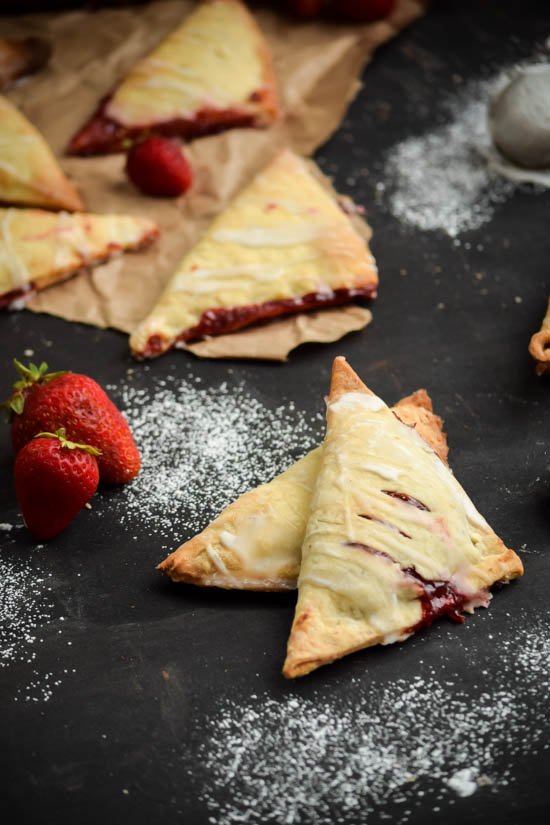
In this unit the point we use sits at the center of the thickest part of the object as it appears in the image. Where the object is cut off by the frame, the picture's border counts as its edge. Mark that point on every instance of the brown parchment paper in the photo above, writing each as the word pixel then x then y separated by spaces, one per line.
pixel 318 66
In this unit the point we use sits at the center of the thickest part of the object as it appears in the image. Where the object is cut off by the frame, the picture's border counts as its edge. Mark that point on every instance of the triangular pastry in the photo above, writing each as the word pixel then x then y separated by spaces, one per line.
pixel 282 245
pixel 255 543
pixel 29 172
pixel 214 72
pixel 392 541
pixel 39 248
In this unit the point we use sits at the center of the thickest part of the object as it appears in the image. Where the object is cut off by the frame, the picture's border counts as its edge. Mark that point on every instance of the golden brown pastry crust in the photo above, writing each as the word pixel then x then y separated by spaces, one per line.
pixel 539 346
pixel 205 561
pixel 328 624
pixel 41 248
pixel 30 174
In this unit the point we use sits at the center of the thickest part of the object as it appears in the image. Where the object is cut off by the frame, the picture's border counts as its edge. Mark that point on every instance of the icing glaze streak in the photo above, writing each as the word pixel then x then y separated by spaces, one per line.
pixel 372 551
pixel 385 524
pixel 222 320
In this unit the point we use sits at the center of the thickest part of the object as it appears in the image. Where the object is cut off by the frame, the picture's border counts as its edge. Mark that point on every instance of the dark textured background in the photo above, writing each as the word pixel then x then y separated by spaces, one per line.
pixel 127 625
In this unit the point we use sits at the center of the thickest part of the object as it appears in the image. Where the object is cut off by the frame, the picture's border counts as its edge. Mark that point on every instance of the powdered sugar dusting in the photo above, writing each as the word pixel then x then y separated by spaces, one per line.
pixel 41 687
pixel 441 179
pixel 25 606
pixel 404 743
pixel 201 448
pixel 463 782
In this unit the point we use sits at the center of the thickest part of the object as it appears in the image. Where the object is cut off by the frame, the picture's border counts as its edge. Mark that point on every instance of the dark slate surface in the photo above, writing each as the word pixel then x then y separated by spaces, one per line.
pixel 127 625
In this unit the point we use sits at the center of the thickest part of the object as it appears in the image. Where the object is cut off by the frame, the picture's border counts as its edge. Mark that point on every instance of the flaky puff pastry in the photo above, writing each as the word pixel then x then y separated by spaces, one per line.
pixel 29 172
pixel 39 248
pixel 254 544
pixel 539 346
pixel 282 245
pixel 212 73
pixel 392 540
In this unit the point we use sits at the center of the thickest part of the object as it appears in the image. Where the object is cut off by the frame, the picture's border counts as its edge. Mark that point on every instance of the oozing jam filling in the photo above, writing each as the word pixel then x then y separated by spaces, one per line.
pixel 231 319
pixel 414 502
pixel 103 134
pixel 15 295
pixel 438 598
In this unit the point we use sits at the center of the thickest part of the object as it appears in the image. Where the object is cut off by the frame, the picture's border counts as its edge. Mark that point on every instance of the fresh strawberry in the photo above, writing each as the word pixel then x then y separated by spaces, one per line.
pixel 44 401
pixel 364 11
pixel 158 167
pixel 54 479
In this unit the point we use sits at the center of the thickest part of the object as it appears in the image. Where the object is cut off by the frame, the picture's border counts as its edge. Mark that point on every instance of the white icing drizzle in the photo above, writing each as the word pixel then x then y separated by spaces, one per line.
pixel 229 540
pixel 254 269
pixel 258 236
pixel 382 470
pixel 76 238
pixel 358 399
pixel 325 583
pixel 20 275
pixel 472 514
pixel 217 561
pixel 181 86
pixel 172 68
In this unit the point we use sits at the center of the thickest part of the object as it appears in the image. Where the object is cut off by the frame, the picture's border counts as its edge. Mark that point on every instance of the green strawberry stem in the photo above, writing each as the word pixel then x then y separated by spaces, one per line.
pixel 30 375
pixel 61 435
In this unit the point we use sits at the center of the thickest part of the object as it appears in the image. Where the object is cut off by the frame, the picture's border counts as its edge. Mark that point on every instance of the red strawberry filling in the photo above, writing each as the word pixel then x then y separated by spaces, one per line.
pixel 222 320
pixel 15 295
pixel 437 597
pixel 103 134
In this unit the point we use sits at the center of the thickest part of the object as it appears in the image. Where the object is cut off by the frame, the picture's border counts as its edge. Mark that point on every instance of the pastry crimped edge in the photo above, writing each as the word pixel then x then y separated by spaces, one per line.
pixel 191 563
pixel 539 345
pixel 323 642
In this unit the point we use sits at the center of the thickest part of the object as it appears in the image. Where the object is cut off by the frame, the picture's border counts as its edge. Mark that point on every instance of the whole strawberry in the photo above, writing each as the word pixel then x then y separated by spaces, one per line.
pixel 54 479
pixel 44 401
pixel 158 167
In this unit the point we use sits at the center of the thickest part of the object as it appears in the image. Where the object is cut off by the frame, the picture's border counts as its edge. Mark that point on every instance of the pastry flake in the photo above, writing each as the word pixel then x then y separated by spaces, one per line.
pixel 255 543
pixel 281 246
pixel 39 248
pixel 29 172
pixel 392 541
pixel 212 73
pixel 539 346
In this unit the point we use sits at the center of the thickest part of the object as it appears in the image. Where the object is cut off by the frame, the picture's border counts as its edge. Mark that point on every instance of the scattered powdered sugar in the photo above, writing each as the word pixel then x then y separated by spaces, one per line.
pixel 441 179
pixel 25 605
pixel 40 688
pixel 403 743
pixel 201 447
pixel 464 782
